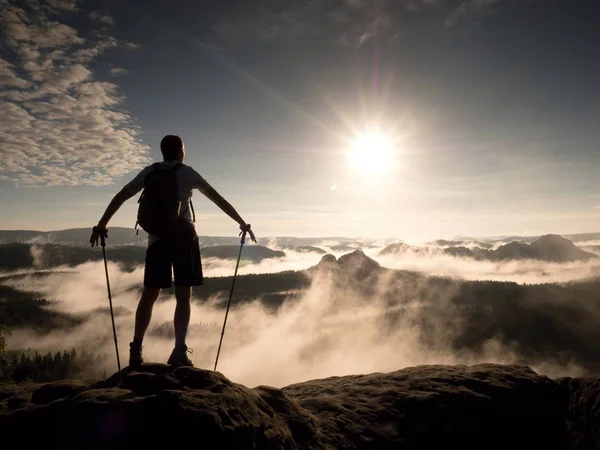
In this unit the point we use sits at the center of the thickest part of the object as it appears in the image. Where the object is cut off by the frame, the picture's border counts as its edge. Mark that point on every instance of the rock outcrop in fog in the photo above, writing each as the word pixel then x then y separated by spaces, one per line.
pixel 551 248
pixel 426 407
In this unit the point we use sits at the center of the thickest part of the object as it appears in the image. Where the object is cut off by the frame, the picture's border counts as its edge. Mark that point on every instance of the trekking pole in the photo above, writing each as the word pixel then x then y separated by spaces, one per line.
pixel 103 236
pixel 243 233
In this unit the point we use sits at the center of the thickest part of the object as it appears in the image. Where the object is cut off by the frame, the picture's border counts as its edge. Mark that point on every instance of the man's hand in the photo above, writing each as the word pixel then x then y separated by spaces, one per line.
pixel 246 229
pixel 97 232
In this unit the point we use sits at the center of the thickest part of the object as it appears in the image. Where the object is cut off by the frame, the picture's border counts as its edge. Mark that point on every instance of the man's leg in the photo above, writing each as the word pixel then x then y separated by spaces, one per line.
pixel 181 322
pixel 187 270
pixel 183 295
pixel 144 313
pixel 157 276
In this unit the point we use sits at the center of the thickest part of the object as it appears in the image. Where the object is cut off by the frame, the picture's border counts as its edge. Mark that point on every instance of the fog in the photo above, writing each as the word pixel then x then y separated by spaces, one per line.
pixel 524 271
pixel 314 337
pixel 330 330
pixel 430 261
pixel 215 267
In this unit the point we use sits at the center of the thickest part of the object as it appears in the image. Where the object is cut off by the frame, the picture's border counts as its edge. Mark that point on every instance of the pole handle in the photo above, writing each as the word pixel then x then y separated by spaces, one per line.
pixel 103 232
pixel 246 229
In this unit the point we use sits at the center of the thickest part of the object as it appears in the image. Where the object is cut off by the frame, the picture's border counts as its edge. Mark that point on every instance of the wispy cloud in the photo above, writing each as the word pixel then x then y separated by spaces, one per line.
pixel 117 71
pixel 131 45
pixel 350 23
pixel 67 5
pixel 61 125
pixel 469 11
pixel 102 17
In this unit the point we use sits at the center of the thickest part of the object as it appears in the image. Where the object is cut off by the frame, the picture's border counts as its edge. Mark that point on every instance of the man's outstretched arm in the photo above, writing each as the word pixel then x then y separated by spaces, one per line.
pixel 114 206
pixel 225 206
pixel 111 209
pixel 132 188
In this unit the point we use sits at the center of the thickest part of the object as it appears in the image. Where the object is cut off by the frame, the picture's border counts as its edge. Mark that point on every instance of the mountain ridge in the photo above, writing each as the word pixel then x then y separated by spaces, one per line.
pixel 128 236
pixel 17 256
pixel 550 247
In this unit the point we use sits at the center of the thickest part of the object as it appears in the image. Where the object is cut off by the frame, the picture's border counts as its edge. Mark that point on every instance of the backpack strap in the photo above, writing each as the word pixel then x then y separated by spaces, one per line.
pixel 154 169
pixel 193 212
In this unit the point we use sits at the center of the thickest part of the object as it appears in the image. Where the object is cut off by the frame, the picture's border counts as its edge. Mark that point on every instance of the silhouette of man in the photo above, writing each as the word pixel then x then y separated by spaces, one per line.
pixel 181 251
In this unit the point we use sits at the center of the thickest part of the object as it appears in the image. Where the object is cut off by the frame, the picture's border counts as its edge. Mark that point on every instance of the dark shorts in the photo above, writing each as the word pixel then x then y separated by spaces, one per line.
pixel 181 253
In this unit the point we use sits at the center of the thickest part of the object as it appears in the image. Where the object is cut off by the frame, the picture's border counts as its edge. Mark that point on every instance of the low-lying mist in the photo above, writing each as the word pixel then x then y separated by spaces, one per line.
pixel 429 261
pixel 344 323
pixel 524 271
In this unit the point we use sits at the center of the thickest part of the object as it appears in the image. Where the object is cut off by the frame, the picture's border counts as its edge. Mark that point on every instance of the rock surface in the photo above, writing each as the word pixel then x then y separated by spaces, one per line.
pixel 583 416
pixel 426 407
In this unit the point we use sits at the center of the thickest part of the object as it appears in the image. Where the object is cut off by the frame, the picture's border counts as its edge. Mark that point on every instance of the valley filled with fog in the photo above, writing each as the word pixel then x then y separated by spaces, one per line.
pixel 312 308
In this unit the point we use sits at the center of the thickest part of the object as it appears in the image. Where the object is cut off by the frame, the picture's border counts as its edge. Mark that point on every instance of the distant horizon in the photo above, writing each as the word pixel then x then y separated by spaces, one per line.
pixel 458 237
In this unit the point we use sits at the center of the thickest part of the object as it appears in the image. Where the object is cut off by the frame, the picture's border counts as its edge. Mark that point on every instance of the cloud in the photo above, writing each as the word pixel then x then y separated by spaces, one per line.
pixel 117 71
pixel 469 12
pixel 61 125
pixel 9 78
pixel 351 23
pixel 436 263
pixel 67 5
pixel 132 45
pixel 102 17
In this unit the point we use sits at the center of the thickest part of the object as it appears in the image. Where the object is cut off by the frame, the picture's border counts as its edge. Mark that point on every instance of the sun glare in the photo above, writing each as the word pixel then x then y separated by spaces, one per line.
pixel 372 153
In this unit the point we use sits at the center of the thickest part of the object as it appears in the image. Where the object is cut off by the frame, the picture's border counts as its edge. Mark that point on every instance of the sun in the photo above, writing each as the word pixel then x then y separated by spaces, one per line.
pixel 372 153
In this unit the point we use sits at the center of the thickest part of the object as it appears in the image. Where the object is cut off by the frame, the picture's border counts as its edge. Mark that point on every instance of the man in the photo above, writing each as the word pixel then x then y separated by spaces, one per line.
pixel 180 251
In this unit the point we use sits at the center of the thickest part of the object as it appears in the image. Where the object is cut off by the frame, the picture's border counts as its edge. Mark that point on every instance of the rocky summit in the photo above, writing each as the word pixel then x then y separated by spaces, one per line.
pixel 426 407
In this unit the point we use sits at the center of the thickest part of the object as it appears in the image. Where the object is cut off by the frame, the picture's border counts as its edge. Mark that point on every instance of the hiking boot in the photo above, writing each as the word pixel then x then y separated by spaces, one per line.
pixel 135 354
pixel 179 356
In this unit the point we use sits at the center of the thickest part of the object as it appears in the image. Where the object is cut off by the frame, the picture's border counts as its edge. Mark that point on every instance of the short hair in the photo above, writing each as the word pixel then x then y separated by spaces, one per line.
pixel 170 146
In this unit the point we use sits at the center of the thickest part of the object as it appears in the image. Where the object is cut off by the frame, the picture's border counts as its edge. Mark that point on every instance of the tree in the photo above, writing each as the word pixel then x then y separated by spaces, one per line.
pixel 4 369
pixel 4 333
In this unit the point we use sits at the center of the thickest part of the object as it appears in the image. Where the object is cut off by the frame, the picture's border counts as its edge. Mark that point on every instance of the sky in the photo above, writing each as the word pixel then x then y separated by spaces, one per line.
pixel 487 112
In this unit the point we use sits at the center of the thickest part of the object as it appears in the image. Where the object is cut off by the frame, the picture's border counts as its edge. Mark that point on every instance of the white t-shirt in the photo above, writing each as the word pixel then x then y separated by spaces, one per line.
pixel 187 180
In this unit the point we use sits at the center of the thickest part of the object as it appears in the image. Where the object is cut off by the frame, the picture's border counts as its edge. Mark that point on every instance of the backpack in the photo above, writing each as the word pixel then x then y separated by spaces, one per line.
pixel 159 211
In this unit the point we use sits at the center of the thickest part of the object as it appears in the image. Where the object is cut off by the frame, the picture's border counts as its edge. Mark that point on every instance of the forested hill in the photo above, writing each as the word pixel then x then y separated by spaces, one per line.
pixel 18 256
pixel 127 236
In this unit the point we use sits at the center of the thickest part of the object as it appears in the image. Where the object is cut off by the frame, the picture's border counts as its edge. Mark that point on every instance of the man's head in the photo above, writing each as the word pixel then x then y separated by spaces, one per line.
pixel 172 148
